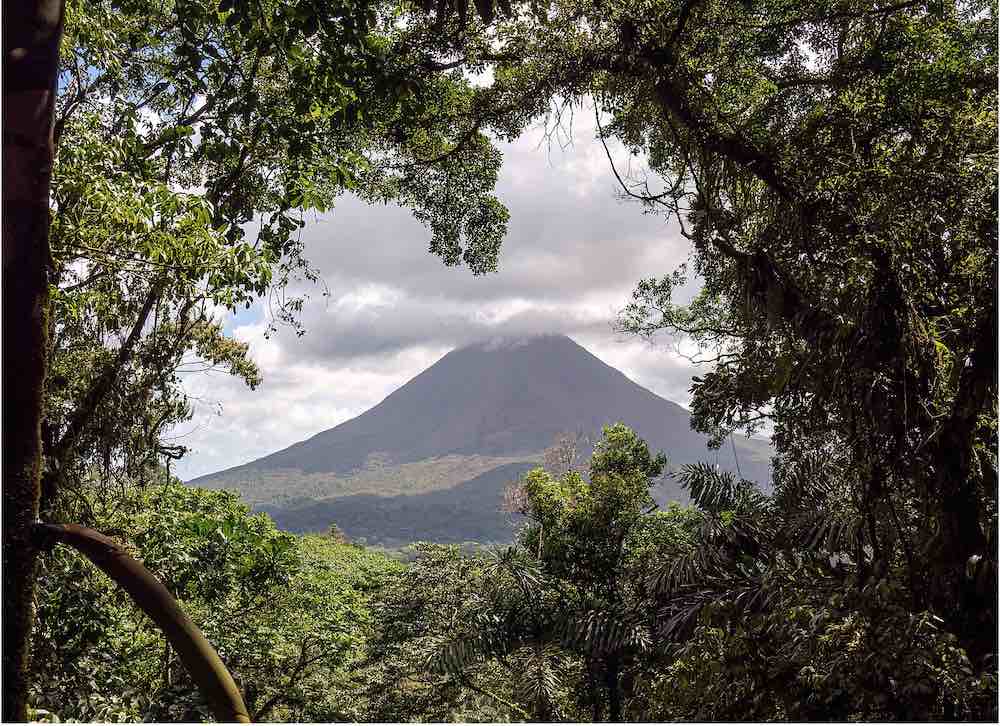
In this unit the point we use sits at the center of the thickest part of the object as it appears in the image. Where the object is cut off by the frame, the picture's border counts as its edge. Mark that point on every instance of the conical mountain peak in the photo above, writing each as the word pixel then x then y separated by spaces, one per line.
pixel 499 397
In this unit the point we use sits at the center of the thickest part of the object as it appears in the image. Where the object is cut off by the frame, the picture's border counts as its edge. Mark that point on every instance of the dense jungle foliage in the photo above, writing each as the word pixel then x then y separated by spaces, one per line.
pixel 576 621
pixel 289 615
pixel 833 163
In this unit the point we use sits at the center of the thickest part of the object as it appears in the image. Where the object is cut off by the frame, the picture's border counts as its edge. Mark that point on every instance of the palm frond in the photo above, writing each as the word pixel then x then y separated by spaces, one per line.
pixel 517 563
pixel 538 681
pixel 598 633
pixel 723 546
pixel 819 516
pixel 714 490
pixel 491 636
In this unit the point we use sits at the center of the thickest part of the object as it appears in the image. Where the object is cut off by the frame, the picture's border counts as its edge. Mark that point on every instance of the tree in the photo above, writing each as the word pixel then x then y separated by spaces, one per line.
pixel 565 453
pixel 561 623
pixel 156 189
pixel 832 281
pixel 768 617
pixel 834 168
pixel 587 534
pixel 436 598
pixel 291 615
pixel 178 136
pixel 30 54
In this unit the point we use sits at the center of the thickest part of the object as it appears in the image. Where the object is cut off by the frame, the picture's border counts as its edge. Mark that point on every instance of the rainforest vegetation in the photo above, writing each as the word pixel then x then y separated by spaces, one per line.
pixel 833 164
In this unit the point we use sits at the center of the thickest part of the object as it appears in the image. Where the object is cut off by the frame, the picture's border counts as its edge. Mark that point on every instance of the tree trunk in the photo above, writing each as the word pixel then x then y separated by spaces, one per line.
pixel 59 453
pixel 961 509
pixel 32 32
pixel 594 690
pixel 614 691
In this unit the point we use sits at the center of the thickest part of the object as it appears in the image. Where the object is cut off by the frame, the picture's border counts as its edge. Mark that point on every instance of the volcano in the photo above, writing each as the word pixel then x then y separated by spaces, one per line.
pixel 432 459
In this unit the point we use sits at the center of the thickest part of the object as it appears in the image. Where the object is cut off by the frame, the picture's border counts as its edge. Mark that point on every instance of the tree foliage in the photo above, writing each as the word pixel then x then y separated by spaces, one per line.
pixel 172 137
pixel 184 174
pixel 289 616
pixel 833 165
pixel 771 617
pixel 558 626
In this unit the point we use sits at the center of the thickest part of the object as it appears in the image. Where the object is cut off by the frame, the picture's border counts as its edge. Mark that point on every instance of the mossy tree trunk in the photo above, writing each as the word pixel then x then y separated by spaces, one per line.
pixel 32 32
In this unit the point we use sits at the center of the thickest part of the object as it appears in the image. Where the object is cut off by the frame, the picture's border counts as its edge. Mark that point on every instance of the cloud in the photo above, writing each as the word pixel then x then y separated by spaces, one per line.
pixel 569 233
pixel 572 256
pixel 345 329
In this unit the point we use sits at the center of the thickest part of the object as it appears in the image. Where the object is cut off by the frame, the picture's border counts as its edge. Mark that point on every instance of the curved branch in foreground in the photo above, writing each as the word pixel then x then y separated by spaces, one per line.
pixel 199 657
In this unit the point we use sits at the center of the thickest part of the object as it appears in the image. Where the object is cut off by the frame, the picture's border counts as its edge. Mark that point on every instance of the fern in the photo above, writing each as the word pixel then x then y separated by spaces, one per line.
pixel 599 634
pixel 538 681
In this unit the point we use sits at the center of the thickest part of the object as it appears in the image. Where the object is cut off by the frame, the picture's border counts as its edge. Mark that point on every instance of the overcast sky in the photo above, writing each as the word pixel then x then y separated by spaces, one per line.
pixel 571 258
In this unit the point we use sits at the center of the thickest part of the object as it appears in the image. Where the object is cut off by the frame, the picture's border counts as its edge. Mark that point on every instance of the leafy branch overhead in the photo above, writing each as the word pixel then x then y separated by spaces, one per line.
pixel 183 178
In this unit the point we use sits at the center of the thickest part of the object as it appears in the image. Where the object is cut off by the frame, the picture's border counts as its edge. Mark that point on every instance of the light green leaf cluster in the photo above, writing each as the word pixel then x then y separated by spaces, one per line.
pixel 289 616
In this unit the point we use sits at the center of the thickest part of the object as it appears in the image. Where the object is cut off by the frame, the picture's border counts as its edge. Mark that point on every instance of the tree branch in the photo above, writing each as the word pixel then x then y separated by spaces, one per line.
pixel 152 597
pixel 459 146
pixel 101 385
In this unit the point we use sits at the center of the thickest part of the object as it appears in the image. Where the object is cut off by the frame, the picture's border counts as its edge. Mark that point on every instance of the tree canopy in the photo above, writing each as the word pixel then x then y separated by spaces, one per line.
pixel 291 616
pixel 833 165
pixel 184 172
pixel 559 626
